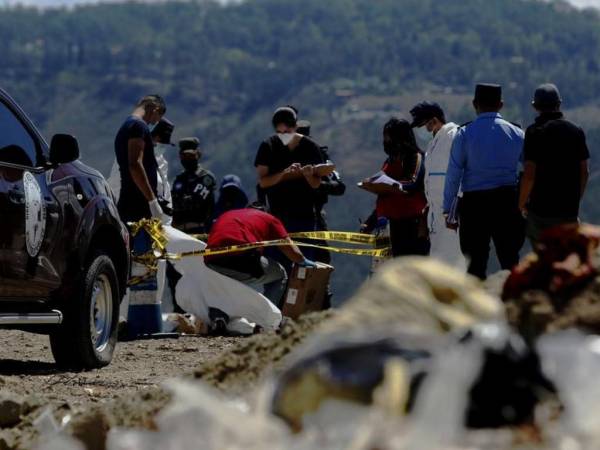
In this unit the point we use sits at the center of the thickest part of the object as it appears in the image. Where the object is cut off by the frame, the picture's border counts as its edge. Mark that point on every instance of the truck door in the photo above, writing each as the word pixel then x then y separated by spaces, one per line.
pixel 29 214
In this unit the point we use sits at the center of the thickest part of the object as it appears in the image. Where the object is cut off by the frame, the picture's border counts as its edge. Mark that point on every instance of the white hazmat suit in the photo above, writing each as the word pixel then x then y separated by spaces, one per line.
pixel 444 242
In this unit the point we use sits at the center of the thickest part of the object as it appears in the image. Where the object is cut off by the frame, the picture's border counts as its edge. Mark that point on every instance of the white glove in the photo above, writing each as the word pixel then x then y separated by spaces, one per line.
pixel 157 212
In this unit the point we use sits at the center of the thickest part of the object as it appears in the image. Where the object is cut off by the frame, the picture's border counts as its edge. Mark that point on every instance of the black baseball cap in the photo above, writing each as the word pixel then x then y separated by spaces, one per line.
pixel 163 130
pixel 304 127
pixel 189 145
pixel 425 111
pixel 231 180
pixel 488 94
pixel 546 96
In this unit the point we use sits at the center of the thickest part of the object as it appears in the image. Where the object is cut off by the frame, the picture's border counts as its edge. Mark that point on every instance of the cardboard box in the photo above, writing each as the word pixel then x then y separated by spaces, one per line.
pixel 306 290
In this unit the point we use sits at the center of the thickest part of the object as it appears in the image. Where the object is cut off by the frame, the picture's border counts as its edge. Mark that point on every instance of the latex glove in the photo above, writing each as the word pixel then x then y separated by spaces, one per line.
pixel 307 263
pixel 157 212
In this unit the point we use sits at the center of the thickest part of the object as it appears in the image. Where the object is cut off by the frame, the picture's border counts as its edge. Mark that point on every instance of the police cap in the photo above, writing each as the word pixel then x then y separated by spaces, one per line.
pixel 488 94
pixel 189 144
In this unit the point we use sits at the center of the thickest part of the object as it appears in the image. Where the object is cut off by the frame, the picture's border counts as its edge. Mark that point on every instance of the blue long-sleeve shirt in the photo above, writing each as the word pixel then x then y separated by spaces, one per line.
pixel 485 155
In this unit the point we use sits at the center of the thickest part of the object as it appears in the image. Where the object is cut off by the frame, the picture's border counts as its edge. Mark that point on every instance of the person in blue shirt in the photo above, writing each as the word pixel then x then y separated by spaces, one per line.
pixel 484 163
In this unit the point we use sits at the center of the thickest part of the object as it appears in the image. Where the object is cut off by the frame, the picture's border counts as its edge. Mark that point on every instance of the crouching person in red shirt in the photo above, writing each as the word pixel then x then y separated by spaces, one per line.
pixel 248 226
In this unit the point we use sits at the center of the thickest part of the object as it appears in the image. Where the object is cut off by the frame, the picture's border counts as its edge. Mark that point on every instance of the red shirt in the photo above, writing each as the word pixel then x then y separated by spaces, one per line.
pixel 412 202
pixel 245 226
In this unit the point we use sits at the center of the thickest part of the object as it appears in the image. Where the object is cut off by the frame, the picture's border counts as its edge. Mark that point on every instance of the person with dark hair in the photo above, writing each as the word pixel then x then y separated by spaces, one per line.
pixel 556 166
pixel 430 118
pixel 193 191
pixel 231 195
pixel 404 204
pixel 484 162
pixel 290 168
pixel 134 151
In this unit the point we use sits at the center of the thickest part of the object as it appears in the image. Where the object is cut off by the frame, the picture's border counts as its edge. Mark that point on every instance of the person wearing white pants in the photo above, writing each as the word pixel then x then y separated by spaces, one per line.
pixel 430 118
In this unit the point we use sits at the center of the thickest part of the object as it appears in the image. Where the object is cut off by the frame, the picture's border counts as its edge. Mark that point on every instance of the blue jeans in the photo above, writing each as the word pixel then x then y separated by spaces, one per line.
pixel 273 283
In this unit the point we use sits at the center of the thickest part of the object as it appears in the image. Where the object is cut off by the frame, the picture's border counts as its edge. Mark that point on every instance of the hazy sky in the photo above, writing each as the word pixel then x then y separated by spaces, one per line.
pixel 581 3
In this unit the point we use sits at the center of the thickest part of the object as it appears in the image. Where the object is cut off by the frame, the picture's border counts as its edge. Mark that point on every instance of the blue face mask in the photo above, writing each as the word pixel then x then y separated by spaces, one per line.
pixel 151 127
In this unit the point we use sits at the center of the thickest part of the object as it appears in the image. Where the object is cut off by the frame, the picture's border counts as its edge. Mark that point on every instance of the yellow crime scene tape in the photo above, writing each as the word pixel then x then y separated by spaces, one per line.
pixel 333 236
pixel 377 252
pixel 159 244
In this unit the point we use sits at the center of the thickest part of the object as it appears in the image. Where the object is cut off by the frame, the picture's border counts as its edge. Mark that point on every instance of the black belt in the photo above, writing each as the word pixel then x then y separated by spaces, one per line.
pixel 488 192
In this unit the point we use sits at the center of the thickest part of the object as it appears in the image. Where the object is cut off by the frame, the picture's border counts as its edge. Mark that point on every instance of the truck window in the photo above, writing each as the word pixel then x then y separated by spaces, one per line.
pixel 16 144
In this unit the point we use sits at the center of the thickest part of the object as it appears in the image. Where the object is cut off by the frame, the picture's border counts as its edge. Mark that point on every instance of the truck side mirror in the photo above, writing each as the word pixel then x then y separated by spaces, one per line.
pixel 64 148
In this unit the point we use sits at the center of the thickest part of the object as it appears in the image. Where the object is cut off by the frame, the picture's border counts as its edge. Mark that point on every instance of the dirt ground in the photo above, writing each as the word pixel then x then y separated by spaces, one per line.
pixel 27 367
pixel 128 392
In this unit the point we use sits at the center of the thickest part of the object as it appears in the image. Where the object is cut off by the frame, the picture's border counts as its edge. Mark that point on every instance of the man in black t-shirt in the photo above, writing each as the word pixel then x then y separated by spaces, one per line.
pixel 285 165
pixel 134 150
pixel 556 166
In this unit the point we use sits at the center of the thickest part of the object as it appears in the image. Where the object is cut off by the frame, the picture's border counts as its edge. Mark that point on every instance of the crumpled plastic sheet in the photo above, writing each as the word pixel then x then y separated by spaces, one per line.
pixel 572 360
pixel 200 417
pixel 201 288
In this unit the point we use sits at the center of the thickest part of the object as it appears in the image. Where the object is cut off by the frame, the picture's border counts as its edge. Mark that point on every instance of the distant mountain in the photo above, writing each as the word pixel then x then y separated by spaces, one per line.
pixel 586 3
pixel 348 65
pixel 70 3
pixel 54 3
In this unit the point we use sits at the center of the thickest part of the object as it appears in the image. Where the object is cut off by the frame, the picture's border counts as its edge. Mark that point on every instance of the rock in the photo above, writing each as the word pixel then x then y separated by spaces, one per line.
pixel 11 408
pixel 91 429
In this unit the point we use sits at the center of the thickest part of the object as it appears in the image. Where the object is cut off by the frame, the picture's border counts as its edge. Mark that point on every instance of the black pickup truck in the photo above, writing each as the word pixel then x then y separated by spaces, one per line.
pixel 64 253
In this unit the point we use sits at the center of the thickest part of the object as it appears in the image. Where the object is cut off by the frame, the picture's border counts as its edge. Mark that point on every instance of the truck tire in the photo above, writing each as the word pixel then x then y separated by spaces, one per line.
pixel 88 335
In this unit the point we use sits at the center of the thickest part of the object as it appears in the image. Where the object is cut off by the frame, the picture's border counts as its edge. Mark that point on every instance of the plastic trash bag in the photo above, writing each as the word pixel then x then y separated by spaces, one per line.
pixel 199 417
pixel 201 288
pixel 572 361
pixel 485 378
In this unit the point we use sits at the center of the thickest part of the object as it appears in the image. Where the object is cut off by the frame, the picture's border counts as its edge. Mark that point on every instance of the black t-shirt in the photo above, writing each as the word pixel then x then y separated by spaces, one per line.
pixel 133 206
pixel 294 198
pixel 557 147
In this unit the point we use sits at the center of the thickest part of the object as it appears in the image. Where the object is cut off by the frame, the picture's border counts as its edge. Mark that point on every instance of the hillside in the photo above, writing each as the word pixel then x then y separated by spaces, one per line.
pixel 347 64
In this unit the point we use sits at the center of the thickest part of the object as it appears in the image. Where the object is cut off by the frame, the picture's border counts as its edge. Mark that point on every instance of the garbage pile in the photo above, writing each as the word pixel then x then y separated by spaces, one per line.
pixel 557 288
pixel 422 358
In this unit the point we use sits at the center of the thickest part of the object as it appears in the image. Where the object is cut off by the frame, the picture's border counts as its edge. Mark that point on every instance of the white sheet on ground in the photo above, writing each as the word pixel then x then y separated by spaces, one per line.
pixel 201 288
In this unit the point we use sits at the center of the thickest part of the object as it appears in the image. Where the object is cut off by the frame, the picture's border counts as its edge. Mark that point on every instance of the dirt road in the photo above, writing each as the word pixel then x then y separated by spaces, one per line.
pixel 27 367
pixel 128 392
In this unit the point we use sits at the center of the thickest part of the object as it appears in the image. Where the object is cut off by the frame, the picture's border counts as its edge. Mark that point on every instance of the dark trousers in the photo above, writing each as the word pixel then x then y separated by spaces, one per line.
pixel 491 215
pixel 323 256
pixel 409 237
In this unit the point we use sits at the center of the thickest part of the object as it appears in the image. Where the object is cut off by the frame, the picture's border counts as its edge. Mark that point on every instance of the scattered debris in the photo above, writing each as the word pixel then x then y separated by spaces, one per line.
pixel 564 261
pixel 12 407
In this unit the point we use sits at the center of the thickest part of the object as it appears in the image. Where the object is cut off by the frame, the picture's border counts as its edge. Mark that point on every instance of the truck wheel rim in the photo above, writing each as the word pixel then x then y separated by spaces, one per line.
pixel 101 312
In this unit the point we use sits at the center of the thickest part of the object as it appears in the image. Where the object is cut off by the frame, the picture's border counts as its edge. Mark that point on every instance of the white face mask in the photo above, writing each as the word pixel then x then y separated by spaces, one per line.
pixel 423 134
pixel 286 138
